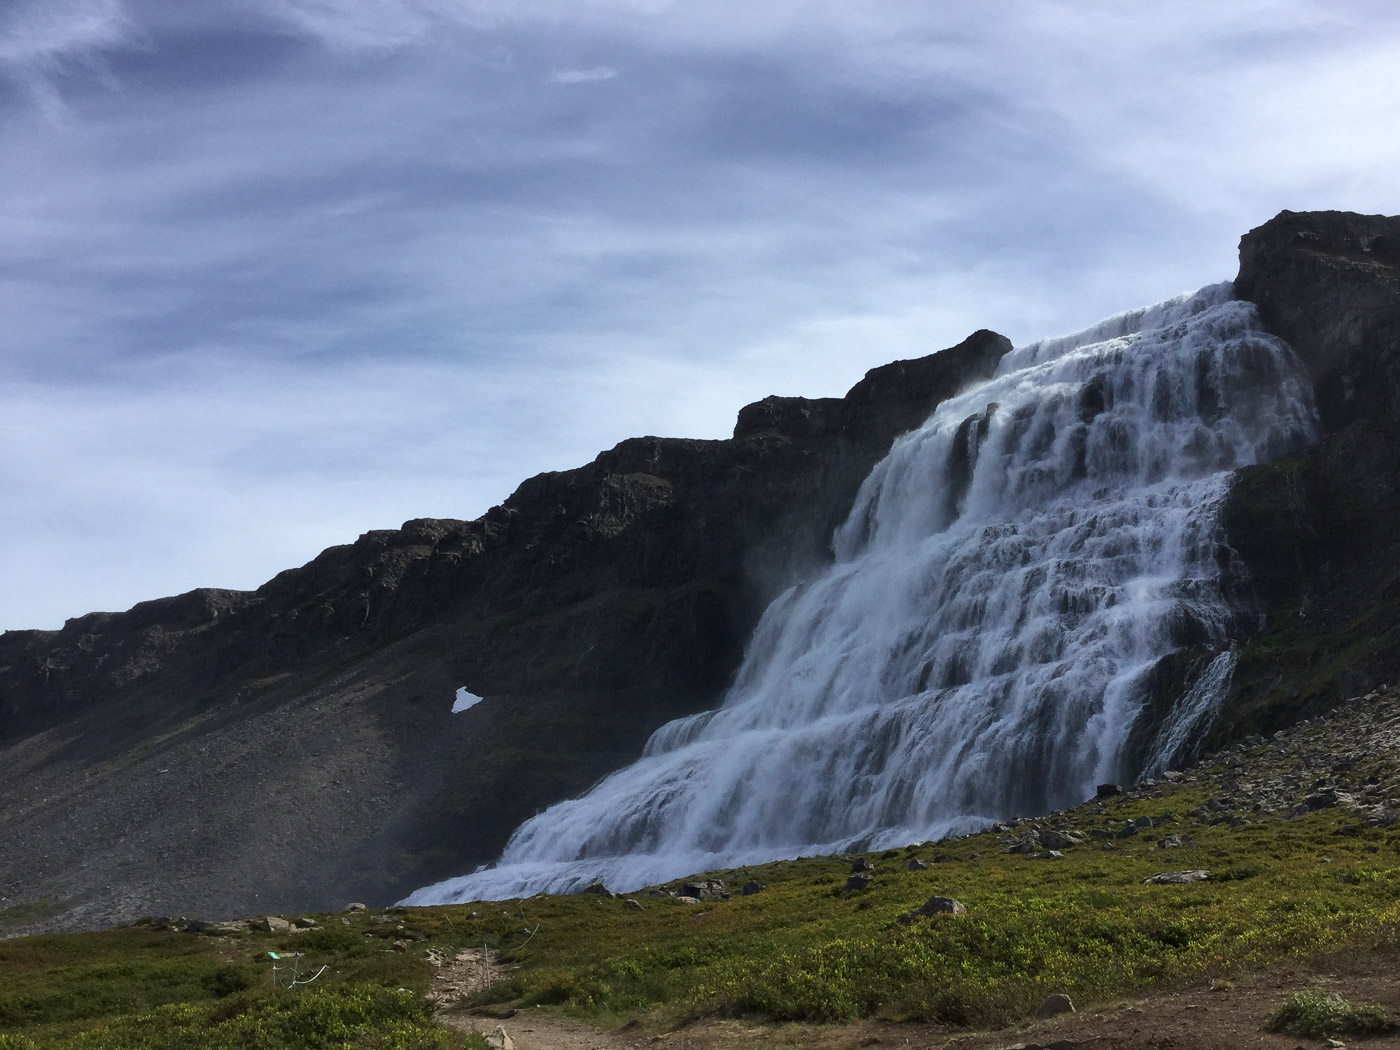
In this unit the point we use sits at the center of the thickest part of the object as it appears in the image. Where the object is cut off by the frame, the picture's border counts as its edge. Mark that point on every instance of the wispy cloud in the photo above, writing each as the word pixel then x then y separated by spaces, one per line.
pixel 583 76
pixel 40 40
pixel 291 269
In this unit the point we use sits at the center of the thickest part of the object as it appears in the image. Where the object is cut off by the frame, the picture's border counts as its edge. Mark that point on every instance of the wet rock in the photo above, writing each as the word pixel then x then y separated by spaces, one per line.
pixel 597 889
pixel 1108 790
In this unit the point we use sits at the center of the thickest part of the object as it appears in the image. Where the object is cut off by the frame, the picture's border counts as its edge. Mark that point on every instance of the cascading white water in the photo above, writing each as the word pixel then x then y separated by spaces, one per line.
pixel 1009 576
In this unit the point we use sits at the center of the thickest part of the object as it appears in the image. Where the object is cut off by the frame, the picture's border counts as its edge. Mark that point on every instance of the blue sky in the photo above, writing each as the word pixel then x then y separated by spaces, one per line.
pixel 276 272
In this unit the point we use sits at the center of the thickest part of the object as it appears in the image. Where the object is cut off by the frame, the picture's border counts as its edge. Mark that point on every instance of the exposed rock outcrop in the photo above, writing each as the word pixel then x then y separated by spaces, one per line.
pixel 1317 537
pixel 1329 283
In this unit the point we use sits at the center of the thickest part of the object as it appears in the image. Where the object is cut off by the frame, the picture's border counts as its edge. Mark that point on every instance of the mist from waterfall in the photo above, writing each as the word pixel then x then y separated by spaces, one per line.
pixel 981 646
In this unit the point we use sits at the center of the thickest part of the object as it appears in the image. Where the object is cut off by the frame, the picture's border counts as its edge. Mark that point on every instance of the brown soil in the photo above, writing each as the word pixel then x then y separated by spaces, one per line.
pixel 1208 1016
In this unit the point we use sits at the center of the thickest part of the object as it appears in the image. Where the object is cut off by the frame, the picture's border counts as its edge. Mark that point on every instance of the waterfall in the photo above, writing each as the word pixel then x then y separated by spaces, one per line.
pixel 1008 578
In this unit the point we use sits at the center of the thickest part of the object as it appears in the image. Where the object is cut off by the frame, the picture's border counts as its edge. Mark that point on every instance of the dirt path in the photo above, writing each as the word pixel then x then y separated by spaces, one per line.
pixel 1207 1016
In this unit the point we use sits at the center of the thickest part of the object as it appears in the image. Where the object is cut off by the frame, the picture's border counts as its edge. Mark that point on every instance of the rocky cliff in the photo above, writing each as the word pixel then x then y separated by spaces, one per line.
pixel 1318 535
pixel 292 747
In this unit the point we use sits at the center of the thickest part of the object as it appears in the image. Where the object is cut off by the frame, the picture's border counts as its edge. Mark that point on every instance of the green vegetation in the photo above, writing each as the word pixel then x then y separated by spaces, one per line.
pixel 1315 1014
pixel 804 949
pixel 143 987
pixel 366 1018
pixel 1280 891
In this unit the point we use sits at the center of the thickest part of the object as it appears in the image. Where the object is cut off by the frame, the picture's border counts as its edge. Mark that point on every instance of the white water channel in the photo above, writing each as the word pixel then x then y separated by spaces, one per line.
pixel 980 647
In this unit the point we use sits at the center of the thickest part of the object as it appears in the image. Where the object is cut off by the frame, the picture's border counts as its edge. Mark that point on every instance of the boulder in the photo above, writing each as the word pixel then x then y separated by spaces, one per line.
pixel 1108 790
pixel 1061 840
pixel 597 888
pixel 705 890
pixel 1165 878
pixel 273 924
pixel 499 1040
pixel 942 906
pixel 751 887
pixel 859 881
pixel 861 864
pixel 916 864
pixel 1055 1004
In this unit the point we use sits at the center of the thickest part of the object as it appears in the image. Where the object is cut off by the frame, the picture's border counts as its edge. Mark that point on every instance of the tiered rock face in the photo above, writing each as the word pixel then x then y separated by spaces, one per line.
pixel 292 747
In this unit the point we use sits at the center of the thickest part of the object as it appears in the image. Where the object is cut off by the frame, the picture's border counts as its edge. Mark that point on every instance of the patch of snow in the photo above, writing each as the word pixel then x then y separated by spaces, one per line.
pixel 464 700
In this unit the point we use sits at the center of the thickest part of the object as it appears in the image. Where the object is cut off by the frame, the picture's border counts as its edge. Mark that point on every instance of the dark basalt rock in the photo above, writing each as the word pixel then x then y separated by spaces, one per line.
pixel 1329 284
pixel 1313 542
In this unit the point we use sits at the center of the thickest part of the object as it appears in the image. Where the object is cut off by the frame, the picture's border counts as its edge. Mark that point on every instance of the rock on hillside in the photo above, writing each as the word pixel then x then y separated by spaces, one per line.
pixel 291 748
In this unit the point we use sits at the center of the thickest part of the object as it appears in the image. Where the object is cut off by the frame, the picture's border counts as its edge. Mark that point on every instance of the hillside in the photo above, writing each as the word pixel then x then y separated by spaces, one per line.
pixel 225 753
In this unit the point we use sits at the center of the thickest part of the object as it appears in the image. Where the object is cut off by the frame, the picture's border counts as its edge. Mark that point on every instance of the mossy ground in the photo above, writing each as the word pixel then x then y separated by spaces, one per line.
pixel 1281 891
pixel 805 949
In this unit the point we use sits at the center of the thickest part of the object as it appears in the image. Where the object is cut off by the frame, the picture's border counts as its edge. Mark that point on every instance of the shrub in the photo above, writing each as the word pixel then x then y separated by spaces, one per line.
pixel 1315 1013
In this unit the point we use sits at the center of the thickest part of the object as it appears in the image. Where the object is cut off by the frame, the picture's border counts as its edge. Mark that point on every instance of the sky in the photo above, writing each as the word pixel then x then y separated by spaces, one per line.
pixel 277 272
